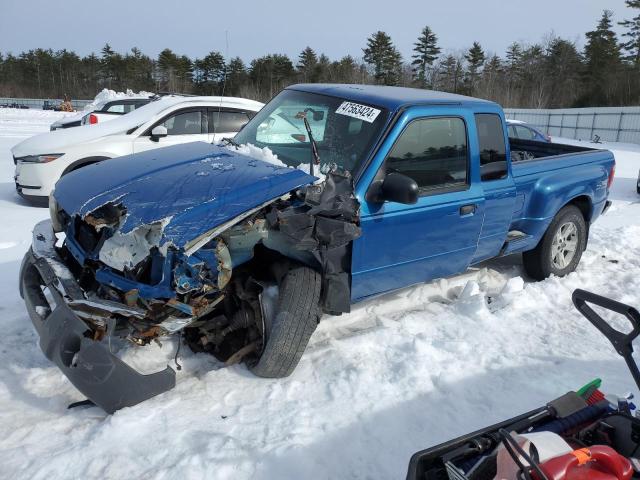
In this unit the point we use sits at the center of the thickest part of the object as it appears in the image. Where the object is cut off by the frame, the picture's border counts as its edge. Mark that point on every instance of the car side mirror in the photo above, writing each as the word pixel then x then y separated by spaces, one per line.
pixel 399 188
pixel 158 132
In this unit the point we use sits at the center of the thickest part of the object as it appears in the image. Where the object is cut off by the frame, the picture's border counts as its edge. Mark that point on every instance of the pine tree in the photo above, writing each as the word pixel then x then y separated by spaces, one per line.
pixel 384 57
pixel 602 57
pixel 491 78
pixel 307 63
pixel 236 76
pixel 514 55
pixel 475 58
pixel 632 45
pixel 426 52
pixel 346 70
pixel 211 73
pixel 563 64
pixel 270 74
pixel 452 74
pixel 107 67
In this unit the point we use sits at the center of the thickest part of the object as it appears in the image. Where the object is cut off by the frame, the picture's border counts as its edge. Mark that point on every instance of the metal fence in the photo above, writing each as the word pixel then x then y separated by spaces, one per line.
pixel 611 124
pixel 38 103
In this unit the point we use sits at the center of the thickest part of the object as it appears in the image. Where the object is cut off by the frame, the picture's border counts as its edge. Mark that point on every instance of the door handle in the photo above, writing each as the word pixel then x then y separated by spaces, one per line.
pixel 468 209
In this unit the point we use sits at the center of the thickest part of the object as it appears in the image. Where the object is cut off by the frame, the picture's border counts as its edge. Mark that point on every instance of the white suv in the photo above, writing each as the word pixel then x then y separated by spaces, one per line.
pixel 41 160
pixel 103 111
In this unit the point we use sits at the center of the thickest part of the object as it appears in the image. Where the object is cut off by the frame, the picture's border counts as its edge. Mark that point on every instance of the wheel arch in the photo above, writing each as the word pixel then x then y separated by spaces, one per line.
pixel 83 162
pixel 584 204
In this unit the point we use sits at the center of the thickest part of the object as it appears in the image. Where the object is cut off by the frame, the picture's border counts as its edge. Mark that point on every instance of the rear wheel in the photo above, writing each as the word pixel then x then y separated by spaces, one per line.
pixel 561 247
pixel 290 323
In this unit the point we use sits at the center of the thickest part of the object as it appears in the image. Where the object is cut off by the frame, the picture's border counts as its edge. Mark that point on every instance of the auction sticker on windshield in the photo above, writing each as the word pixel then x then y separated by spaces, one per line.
pixel 361 112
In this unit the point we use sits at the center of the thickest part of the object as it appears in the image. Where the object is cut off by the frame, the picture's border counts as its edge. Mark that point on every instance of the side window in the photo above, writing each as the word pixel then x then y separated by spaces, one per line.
pixel 493 151
pixel 129 107
pixel 512 132
pixel 226 122
pixel 433 152
pixel 525 133
pixel 184 123
pixel 116 108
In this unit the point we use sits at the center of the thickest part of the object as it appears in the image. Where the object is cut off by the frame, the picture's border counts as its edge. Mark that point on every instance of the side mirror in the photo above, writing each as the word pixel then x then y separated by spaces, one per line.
pixel 158 132
pixel 399 188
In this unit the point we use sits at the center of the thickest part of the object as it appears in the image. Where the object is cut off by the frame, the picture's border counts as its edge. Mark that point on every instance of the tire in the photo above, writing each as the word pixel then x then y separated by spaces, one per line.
pixel 296 315
pixel 552 255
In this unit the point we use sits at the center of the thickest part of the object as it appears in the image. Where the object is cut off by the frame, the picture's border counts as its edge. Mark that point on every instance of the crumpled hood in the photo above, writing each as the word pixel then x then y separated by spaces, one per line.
pixel 192 188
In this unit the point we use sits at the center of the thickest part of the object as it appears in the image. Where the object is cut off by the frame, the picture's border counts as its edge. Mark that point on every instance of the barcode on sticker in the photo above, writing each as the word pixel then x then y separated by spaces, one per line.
pixel 361 112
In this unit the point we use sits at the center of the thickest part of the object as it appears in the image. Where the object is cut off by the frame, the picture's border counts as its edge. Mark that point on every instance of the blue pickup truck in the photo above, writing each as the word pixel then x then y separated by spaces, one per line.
pixel 239 251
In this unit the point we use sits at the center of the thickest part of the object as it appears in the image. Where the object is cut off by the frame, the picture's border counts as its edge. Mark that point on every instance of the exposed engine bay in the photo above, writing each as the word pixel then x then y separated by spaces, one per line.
pixel 582 435
pixel 212 290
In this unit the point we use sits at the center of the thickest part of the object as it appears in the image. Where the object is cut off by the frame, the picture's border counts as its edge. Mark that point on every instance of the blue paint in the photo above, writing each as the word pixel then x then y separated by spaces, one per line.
pixel 403 245
pixel 400 244
pixel 165 183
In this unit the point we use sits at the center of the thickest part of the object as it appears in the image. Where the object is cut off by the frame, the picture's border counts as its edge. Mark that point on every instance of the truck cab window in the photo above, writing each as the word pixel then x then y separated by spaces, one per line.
pixel 493 151
pixel 433 152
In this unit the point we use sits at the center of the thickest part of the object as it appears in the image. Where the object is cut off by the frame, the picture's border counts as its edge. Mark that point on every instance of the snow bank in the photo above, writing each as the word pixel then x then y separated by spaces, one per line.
pixel 106 95
pixel 398 374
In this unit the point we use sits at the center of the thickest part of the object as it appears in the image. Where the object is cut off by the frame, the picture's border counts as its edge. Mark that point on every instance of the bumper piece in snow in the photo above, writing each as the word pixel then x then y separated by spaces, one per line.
pixel 65 339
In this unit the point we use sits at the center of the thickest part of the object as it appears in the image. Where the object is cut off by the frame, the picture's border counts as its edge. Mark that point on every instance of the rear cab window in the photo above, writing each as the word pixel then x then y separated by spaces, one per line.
pixel 493 150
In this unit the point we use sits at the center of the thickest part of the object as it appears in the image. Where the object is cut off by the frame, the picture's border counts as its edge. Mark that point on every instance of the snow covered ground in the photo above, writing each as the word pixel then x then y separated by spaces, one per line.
pixel 399 374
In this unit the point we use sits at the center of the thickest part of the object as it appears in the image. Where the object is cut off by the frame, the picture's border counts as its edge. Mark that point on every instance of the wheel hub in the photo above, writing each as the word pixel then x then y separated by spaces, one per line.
pixel 564 245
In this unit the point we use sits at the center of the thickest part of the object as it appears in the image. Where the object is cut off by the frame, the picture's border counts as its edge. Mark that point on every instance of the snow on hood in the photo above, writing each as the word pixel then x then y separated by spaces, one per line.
pixel 197 186
pixel 266 155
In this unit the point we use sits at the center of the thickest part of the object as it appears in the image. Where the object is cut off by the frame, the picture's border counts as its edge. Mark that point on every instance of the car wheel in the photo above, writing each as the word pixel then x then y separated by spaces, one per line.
pixel 290 324
pixel 561 247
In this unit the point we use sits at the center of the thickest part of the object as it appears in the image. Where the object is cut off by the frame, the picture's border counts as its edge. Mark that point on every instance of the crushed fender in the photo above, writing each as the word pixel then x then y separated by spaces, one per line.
pixel 136 281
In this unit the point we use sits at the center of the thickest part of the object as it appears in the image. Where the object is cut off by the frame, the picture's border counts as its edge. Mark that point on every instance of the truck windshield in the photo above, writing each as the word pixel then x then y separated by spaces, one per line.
pixel 344 131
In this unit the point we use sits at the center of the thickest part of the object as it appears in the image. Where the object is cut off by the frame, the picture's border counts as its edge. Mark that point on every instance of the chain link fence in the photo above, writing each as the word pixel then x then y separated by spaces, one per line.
pixel 609 124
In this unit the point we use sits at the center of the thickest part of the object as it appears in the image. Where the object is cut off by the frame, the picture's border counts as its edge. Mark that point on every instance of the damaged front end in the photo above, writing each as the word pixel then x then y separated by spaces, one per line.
pixel 140 284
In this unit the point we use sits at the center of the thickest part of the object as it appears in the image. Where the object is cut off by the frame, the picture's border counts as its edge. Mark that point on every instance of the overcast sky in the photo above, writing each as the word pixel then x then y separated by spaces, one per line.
pixel 257 27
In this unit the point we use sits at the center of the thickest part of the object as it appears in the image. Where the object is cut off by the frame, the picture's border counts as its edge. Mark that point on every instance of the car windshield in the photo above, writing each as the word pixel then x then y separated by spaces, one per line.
pixel 344 131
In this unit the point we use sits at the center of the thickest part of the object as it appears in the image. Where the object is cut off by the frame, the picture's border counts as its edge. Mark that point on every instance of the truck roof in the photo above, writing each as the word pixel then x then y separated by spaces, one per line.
pixel 391 98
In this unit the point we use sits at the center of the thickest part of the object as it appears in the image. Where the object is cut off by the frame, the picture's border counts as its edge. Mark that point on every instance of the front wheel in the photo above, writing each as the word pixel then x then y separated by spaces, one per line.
pixel 290 326
pixel 561 247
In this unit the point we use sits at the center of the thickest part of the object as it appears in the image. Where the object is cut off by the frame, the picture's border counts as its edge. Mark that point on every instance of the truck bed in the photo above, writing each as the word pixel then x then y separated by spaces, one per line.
pixel 527 150
pixel 547 175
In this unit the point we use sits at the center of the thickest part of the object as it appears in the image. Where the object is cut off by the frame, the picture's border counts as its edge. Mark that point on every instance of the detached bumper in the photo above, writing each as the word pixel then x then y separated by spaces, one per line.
pixel 89 365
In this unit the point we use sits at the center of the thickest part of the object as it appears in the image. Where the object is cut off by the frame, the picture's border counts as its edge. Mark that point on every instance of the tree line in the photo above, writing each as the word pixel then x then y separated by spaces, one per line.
pixel 553 73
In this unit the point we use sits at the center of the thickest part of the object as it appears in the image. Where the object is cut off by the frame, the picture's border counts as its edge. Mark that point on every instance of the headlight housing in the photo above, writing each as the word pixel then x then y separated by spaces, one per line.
pixel 54 212
pixel 45 158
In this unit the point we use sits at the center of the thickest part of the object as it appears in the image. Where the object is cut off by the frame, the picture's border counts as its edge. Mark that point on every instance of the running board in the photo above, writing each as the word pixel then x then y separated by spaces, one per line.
pixel 515 240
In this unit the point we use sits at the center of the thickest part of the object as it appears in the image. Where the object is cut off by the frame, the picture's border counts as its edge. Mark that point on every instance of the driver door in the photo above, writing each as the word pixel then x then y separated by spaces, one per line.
pixel 436 237
pixel 183 126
